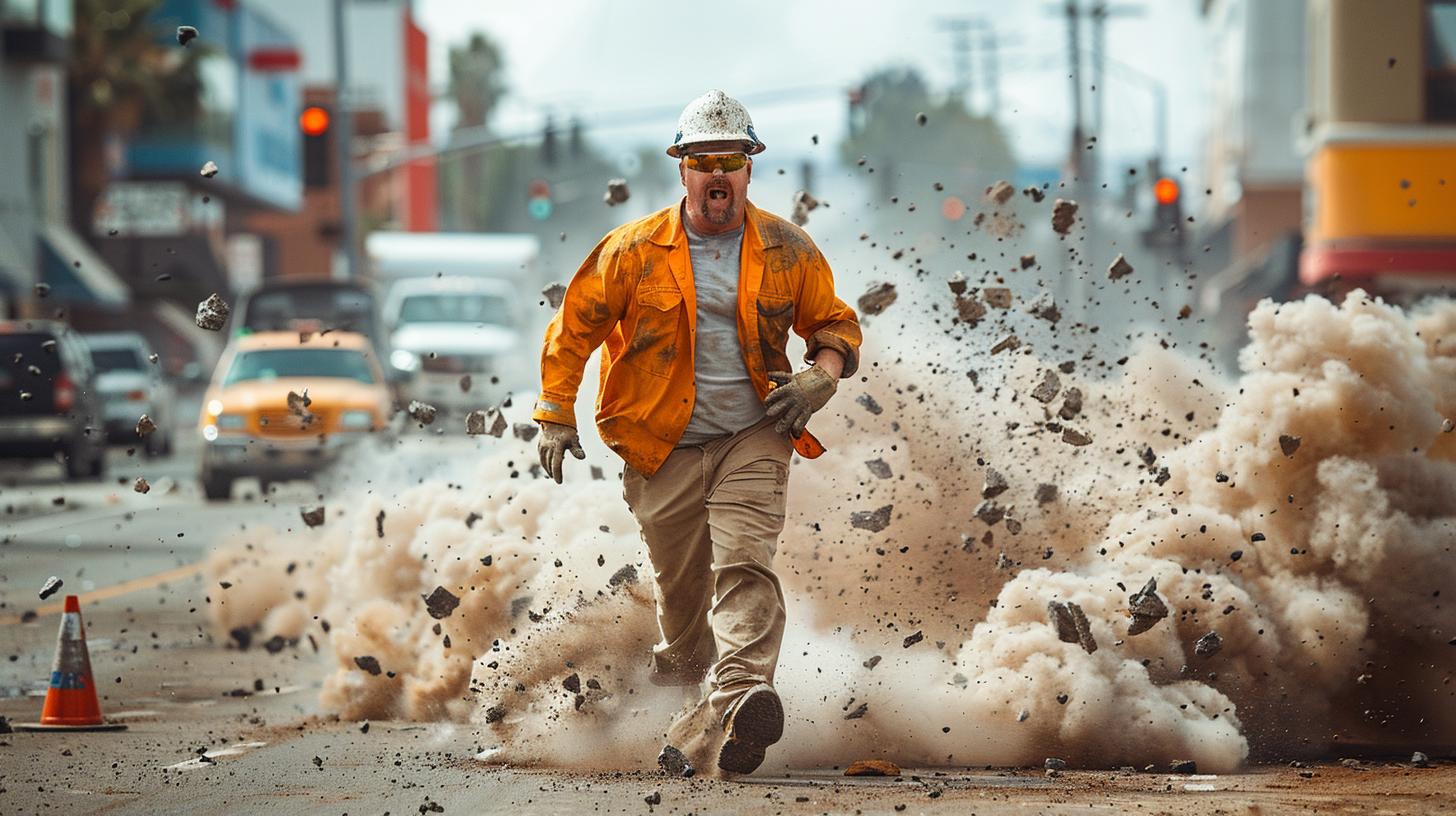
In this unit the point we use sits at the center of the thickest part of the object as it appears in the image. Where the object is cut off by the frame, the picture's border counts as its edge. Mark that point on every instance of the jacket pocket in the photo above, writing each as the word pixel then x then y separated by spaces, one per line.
pixel 653 344
pixel 775 318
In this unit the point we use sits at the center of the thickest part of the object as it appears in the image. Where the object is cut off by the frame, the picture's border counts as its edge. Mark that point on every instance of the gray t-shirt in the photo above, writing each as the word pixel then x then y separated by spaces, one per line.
pixel 725 402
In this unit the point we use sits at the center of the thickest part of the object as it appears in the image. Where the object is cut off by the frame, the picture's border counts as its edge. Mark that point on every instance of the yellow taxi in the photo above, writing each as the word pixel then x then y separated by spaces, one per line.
pixel 250 425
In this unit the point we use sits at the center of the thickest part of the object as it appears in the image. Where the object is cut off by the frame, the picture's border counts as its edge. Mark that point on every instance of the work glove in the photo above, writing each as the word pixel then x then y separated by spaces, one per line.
pixel 556 439
pixel 796 397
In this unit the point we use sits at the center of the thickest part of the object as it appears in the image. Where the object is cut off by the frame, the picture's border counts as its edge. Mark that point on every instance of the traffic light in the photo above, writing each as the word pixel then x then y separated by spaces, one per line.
pixel 1166 228
pixel 314 123
pixel 538 200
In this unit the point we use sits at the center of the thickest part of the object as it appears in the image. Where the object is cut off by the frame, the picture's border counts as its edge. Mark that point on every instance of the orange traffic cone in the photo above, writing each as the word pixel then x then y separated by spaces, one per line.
pixel 71 704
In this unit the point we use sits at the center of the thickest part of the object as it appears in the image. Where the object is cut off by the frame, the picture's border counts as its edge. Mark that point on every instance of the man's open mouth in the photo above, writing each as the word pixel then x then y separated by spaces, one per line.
pixel 718 193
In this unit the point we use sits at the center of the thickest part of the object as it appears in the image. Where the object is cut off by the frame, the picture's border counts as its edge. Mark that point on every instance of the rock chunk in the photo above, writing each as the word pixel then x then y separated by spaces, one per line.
pixel 1047 390
pixel 1208 645
pixel 879 468
pixel 1071 624
pixel 441 603
pixel 873 520
pixel 554 294
pixel 213 312
pixel 51 587
pixel 1146 607
pixel 491 422
pixel 994 484
pixel 1064 213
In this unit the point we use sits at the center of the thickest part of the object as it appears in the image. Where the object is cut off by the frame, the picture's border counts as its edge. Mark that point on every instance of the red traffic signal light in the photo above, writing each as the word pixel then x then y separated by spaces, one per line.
pixel 314 121
pixel 1165 191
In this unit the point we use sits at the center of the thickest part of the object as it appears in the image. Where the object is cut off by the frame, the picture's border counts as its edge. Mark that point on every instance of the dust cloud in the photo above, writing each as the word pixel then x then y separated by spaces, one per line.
pixel 1303 513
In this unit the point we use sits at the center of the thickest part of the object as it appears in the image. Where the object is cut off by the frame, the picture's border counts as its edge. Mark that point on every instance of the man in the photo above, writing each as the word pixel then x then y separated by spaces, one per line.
pixel 694 304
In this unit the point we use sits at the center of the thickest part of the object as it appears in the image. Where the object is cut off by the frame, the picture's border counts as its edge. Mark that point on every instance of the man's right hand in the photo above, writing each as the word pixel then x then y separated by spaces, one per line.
pixel 556 439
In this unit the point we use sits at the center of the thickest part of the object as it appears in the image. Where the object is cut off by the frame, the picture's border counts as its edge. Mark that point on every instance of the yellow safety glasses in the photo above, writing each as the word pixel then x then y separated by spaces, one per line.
pixel 708 162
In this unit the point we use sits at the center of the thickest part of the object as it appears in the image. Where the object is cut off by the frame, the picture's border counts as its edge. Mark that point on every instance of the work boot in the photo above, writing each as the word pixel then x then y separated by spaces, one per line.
pixel 755 722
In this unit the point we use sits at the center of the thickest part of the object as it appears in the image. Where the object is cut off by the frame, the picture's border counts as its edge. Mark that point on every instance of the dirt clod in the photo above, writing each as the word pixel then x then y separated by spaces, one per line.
pixel 422 412
pixel 877 299
pixel 1076 438
pixel 997 297
pixel 617 192
pixel 1000 192
pixel 872 767
pixel 313 517
pixel 803 205
pixel 1063 214
pixel 1289 444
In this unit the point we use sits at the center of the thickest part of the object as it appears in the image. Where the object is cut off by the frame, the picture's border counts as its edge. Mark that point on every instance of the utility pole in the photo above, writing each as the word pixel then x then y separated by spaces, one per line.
pixel 1074 60
pixel 1099 13
pixel 993 67
pixel 960 50
pixel 344 144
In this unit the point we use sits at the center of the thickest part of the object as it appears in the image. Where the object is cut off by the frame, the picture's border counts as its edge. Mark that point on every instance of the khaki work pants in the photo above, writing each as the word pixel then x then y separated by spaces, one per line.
pixel 711 517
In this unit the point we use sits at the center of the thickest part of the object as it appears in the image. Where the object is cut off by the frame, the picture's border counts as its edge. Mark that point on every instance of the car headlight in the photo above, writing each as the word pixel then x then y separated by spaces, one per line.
pixel 209 432
pixel 404 360
pixel 356 421
pixel 214 407
pixel 231 421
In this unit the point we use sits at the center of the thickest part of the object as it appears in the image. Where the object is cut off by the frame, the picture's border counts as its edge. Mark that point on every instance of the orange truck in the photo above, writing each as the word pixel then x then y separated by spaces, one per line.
pixel 1380 204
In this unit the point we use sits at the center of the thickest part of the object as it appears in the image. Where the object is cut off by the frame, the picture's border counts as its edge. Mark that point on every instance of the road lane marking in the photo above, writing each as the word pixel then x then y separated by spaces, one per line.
pixel 124 588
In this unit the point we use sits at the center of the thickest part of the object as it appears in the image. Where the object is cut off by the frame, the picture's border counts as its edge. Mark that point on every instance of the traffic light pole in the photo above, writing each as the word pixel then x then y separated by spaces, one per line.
pixel 343 144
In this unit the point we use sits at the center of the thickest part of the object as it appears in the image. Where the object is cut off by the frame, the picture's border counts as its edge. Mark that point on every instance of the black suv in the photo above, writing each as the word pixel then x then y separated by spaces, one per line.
pixel 48 399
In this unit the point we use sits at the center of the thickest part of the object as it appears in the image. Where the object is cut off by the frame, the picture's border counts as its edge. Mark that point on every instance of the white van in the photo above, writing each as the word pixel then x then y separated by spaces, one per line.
pixel 459 341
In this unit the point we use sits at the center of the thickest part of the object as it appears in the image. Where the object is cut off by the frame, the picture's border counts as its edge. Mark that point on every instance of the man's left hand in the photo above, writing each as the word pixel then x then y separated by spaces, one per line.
pixel 797 396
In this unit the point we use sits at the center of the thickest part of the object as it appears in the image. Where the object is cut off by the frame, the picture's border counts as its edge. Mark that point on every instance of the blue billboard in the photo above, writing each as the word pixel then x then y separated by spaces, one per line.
pixel 246 120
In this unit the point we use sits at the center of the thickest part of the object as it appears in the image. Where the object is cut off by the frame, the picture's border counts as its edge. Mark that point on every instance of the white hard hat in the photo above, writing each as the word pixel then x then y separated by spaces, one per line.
pixel 715 117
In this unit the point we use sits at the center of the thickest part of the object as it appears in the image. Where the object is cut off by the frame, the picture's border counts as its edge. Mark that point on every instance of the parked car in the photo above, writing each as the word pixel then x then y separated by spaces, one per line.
pixel 248 426
pixel 132 385
pixel 444 329
pixel 49 403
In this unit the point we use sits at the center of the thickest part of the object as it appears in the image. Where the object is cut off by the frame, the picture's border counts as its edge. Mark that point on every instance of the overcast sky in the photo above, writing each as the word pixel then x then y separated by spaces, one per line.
pixel 791 61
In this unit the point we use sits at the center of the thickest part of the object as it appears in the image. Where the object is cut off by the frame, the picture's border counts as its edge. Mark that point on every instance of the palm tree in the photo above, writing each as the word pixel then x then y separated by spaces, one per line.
pixel 477 83
pixel 121 74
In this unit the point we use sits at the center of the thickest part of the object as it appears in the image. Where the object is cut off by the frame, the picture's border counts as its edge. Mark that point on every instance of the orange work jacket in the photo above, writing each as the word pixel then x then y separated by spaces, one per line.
pixel 635 293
